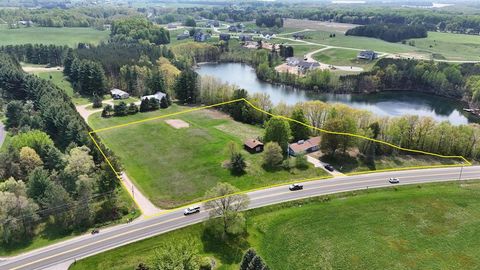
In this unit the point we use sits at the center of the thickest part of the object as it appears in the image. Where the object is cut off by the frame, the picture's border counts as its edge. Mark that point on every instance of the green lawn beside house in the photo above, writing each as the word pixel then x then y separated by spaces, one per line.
pixel 430 226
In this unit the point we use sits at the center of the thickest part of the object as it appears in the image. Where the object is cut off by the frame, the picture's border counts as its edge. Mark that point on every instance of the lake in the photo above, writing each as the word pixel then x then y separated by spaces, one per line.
pixel 385 104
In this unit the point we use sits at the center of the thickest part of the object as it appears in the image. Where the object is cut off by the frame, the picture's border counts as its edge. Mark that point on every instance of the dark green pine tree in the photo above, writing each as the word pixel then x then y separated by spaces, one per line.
pixel 145 105
pixel 186 87
pixel 256 264
pixel 163 103
pixel 247 258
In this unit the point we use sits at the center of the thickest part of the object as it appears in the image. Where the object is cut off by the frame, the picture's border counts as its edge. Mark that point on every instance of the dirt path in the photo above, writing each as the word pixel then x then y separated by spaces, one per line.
pixel 30 69
pixel 145 205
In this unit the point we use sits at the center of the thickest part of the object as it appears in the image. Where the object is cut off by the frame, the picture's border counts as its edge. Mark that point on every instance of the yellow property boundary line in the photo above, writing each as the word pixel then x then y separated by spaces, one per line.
pixel 466 162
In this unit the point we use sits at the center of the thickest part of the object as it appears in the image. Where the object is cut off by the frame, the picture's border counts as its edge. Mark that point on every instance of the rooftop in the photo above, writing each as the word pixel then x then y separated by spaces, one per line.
pixel 302 146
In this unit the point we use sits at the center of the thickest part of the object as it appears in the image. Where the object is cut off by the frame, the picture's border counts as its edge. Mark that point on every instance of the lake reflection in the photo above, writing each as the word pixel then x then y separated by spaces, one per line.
pixel 385 104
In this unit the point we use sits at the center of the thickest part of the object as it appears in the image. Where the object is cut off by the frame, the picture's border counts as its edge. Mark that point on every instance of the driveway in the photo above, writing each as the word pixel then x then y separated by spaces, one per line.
pixel 318 164
pixel 3 133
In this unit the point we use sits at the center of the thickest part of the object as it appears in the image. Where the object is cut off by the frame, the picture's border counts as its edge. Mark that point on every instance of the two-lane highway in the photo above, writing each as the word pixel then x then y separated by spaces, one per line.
pixel 110 238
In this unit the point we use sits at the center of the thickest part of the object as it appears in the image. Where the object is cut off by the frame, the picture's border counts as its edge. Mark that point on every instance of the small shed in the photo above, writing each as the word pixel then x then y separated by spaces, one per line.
pixel 253 146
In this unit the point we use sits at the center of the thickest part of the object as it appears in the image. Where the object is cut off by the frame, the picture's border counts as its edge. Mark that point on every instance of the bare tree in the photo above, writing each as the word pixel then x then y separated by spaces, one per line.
pixel 227 205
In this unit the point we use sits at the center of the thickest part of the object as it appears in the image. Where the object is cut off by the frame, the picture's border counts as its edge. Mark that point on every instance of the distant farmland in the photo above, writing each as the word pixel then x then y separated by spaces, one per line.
pixel 49 35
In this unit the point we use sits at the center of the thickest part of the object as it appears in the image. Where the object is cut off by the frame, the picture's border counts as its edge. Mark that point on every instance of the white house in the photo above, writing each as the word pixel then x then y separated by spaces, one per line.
pixel 119 94
pixel 158 96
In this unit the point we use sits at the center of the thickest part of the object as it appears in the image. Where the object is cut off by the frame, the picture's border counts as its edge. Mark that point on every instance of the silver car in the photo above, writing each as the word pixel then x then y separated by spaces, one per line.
pixel 191 210
pixel 393 180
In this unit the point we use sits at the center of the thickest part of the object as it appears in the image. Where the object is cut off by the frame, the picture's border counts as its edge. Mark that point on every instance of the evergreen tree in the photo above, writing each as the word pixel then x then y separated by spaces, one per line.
pixel 97 101
pixel 120 109
pixel 107 110
pixel 132 108
pixel 237 163
pixel 163 103
pixel 153 104
pixel 247 258
pixel 299 131
pixel 145 105
pixel 186 86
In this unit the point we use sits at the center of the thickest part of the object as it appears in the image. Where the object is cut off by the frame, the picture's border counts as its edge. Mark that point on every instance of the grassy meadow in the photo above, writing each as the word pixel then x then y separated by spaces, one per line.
pixel 176 166
pixel 51 35
pixel 342 57
pixel 432 226
pixel 450 46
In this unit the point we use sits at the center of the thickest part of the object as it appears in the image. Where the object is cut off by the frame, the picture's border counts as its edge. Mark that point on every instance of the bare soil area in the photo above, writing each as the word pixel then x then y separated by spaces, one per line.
pixel 318 25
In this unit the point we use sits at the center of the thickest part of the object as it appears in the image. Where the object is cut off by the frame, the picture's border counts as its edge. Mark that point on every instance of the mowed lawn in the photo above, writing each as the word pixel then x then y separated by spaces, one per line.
pixel 342 57
pixel 51 35
pixel 434 226
pixel 366 43
pixel 176 166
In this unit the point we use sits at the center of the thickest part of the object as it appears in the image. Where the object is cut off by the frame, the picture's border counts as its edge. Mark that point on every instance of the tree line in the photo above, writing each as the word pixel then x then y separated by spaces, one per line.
pixel 95 17
pixel 51 172
pixel 413 132
pixel 138 29
pixel 269 20
pixel 389 32
pixel 37 53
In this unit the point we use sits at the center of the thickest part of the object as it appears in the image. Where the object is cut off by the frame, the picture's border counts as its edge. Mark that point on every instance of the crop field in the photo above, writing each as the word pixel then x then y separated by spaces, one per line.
pixel 433 226
pixel 51 35
pixel 176 166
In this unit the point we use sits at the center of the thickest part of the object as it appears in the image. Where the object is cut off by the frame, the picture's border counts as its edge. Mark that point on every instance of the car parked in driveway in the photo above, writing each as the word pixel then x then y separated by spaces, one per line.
pixel 294 187
pixel 329 167
pixel 191 210
pixel 393 180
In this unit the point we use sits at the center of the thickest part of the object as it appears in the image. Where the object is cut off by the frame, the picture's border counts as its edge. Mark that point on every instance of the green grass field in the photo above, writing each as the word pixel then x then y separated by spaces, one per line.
pixel 176 166
pixel 450 46
pixel 444 46
pixel 432 227
pixel 51 35
pixel 322 37
pixel 341 57
pixel 57 78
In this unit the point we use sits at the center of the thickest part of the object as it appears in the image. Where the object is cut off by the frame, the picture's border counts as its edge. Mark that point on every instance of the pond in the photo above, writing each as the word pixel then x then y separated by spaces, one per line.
pixel 385 104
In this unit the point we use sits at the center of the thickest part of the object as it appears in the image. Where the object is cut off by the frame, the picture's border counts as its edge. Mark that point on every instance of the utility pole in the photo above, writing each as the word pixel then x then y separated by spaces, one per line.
pixel 133 192
pixel 460 176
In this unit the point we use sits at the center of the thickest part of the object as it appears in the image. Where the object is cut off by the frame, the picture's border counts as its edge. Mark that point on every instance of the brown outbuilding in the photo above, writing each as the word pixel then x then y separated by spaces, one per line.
pixel 253 146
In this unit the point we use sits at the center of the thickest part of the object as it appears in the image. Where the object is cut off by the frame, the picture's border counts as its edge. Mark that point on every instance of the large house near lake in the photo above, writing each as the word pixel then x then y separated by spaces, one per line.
pixel 201 37
pixel 119 94
pixel 304 146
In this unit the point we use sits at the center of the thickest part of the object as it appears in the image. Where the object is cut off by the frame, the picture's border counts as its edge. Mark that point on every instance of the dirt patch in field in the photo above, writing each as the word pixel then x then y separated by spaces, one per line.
pixel 318 25
pixel 30 69
pixel 177 123
pixel 216 114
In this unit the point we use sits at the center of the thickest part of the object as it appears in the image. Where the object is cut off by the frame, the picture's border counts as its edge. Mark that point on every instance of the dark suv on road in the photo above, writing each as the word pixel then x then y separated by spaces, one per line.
pixel 293 187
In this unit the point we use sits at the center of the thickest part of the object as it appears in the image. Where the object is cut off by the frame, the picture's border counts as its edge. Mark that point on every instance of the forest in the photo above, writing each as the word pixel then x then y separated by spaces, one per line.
pixel 389 32
pixel 52 173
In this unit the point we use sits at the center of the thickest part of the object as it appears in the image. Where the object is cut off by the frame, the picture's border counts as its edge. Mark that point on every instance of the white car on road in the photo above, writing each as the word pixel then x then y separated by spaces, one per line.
pixel 191 210
pixel 393 180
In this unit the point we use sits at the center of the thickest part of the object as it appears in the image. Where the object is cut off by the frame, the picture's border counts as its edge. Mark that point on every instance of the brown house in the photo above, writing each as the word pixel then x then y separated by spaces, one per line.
pixel 253 146
pixel 304 146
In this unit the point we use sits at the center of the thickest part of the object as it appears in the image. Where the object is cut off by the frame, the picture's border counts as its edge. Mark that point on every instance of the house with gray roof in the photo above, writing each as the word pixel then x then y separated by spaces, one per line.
pixel 158 96
pixel 119 94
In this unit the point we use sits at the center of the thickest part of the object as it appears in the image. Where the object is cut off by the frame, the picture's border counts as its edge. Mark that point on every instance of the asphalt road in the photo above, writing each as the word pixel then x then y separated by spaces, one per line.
pixel 110 238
